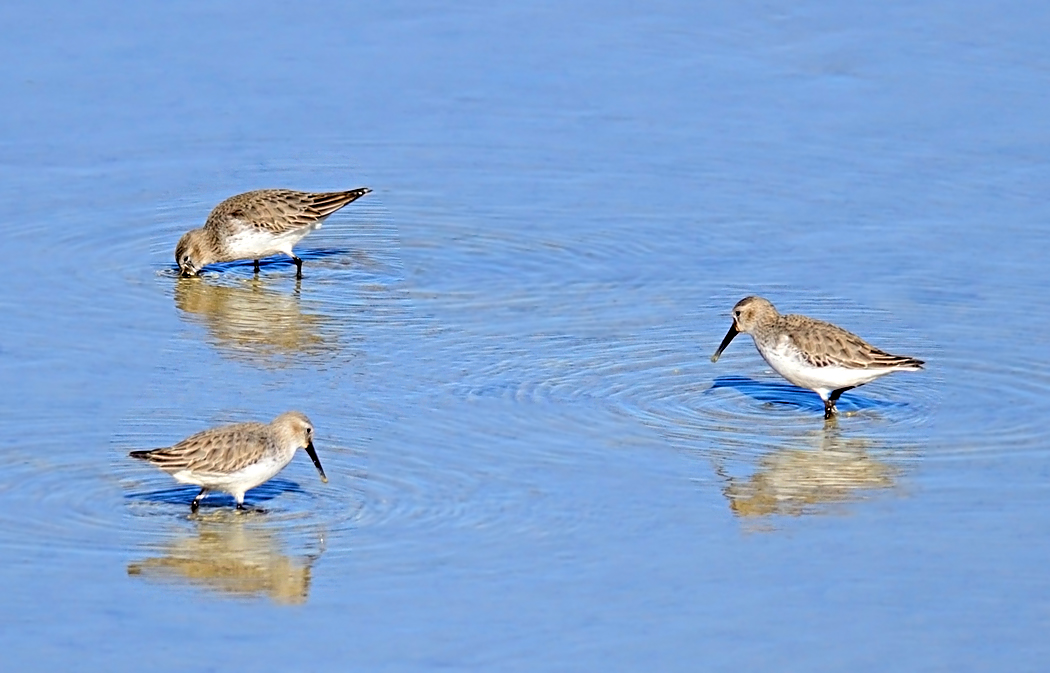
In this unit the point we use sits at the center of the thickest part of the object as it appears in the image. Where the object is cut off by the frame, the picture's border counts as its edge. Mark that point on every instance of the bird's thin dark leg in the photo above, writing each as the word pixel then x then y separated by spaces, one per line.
pixel 836 394
pixel 298 266
pixel 256 266
pixel 195 505
pixel 829 404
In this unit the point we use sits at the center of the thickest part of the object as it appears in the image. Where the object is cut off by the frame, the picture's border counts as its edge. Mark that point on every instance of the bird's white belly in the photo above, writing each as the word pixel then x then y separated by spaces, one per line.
pixel 785 359
pixel 251 242
pixel 246 478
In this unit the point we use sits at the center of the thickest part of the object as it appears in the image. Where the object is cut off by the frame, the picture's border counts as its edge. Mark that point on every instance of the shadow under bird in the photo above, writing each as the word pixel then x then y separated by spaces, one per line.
pixel 258 224
pixel 236 458
pixel 812 353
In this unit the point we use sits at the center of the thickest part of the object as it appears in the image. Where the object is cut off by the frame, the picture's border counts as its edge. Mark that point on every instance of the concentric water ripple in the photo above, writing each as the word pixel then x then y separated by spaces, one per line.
pixel 489 466
pixel 54 503
pixel 652 363
pixel 485 465
pixel 642 353
pixel 72 487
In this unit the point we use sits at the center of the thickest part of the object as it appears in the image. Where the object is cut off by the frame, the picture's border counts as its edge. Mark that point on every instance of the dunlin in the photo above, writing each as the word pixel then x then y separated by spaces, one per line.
pixel 235 458
pixel 812 353
pixel 257 224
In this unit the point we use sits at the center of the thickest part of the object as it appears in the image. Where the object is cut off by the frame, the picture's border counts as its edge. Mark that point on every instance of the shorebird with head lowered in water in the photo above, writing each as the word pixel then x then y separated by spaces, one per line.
pixel 812 353
pixel 258 224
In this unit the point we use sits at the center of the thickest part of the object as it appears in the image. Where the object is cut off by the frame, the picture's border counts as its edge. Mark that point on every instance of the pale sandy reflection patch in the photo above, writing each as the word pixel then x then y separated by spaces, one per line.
pixel 246 319
pixel 827 469
pixel 232 554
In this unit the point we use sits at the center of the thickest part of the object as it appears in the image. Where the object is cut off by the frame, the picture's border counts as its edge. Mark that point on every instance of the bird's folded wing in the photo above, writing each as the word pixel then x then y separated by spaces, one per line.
pixel 833 346
pixel 281 210
pixel 219 450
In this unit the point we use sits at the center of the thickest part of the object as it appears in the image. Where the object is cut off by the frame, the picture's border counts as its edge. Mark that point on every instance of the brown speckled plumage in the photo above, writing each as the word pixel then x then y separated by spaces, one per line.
pixel 219 450
pixel 277 211
pixel 812 353
pixel 257 224
pixel 236 458
pixel 823 344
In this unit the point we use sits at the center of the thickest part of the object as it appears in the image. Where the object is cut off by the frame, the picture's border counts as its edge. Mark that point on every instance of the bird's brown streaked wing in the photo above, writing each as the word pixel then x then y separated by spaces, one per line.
pixel 884 359
pixel 326 203
pixel 280 210
pixel 219 450
pixel 824 344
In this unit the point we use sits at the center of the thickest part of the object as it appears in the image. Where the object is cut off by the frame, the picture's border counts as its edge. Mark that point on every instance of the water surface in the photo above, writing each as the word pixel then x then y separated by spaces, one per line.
pixel 505 347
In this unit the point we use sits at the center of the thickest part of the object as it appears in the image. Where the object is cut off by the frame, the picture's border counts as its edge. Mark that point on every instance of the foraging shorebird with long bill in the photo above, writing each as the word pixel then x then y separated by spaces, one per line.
pixel 812 353
pixel 236 458
pixel 258 224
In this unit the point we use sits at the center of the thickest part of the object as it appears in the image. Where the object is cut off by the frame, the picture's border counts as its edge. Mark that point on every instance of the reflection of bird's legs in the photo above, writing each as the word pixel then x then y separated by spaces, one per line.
pixel 298 266
pixel 831 423
pixel 727 487
pixel 197 501
pixel 256 266
pixel 829 404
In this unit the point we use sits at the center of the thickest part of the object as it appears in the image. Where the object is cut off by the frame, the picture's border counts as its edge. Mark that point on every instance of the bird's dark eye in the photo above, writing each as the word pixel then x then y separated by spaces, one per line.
pixel 309 431
pixel 186 258
pixel 736 313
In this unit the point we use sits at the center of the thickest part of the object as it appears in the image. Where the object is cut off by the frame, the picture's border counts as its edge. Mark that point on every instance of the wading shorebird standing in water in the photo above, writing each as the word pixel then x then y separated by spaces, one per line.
pixel 258 224
pixel 812 353
pixel 236 458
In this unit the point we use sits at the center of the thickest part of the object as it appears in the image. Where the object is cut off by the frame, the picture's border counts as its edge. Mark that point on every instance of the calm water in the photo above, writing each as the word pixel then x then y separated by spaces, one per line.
pixel 505 348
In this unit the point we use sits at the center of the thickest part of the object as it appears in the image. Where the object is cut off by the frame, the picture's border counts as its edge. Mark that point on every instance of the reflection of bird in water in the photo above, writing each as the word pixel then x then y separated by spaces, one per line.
pixel 233 557
pixel 798 481
pixel 247 319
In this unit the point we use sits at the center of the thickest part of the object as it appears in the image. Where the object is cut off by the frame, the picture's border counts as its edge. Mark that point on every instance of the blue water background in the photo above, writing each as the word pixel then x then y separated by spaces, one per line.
pixel 505 348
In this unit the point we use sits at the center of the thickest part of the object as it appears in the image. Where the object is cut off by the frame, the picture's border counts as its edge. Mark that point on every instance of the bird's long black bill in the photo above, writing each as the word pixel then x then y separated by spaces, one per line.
pixel 733 331
pixel 317 463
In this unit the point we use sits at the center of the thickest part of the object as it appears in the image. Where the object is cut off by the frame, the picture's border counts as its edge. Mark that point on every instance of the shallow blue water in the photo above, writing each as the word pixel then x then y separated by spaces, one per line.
pixel 505 348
